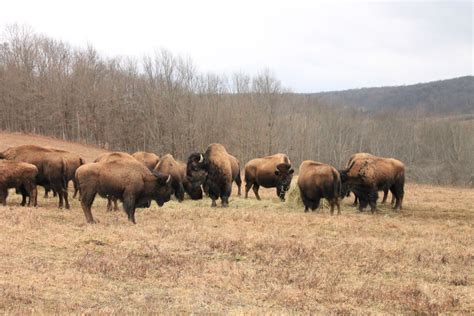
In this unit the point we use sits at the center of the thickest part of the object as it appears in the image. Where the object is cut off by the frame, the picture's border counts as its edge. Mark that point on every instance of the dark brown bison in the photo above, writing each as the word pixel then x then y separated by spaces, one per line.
pixel 150 160
pixel 346 191
pixel 269 172
pixel 109 157
pixel 129 181
pixel 317 180
pixel 180 183
pixel 213 169
pixel 52 168
pixel 74 161
pixel 366 176
pixel 18 175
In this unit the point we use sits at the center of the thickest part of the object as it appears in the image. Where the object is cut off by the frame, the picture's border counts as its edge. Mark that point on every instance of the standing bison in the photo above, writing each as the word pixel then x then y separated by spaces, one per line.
pixel 346 191
pixel 129 181
pixel 269 172
pixel 180 183
pixel 18 175
pixel 109 157
pixel 150 160
pixel 215 170
pixel 52 168
pixel 318 180
pixel 366 176
pixel 74 161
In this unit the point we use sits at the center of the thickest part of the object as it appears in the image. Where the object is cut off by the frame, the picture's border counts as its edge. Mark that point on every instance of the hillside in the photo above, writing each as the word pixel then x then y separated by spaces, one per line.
pixel 444 96
pixel 88 152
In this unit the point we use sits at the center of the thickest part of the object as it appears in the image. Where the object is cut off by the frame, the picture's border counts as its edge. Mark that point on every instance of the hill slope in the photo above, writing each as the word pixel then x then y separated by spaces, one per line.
pixel 88 152
pixel 444 96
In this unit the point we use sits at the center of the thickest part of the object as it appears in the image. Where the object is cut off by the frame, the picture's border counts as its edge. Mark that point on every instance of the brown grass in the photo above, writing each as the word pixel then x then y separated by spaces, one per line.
pixel 254 257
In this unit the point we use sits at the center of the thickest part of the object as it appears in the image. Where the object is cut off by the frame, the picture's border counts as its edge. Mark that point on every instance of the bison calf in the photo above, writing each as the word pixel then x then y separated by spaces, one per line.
pixel 19 175
pixel 269 172
pixel 318 180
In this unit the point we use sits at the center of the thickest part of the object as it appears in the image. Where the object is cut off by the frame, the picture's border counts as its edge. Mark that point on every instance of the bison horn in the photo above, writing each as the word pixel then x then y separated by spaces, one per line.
pixel 201 158
pixel 168 179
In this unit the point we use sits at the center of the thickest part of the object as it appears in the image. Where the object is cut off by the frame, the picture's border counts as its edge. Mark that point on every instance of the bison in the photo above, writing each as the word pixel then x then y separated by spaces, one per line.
pixel 126 180
pixel 74 161
pixel 18 175
pixel 109 157
pixel 150 160
pixel 215 170
pixel 269 172
pixel 180 183
pixel 346 192
pixel 52 168
pixel 317 180
pixel 366 176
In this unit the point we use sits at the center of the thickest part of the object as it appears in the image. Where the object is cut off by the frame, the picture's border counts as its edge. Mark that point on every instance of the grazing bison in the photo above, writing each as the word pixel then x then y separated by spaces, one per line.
pixel 179 182
pixel 109 157
pixel 74 161
pixel 129 181
pixel 214 170
pixel 269 172
pixel 18 175
pixel 346 191
pixel 367 176
pixel 317 180
pixel 150 160
pixel 52 168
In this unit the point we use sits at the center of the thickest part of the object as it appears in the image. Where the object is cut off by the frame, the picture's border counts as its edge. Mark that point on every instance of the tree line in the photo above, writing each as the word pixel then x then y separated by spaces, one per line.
pixel 163 104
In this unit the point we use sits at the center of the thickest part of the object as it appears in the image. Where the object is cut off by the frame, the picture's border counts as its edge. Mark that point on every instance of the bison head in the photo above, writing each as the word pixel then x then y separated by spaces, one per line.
pixel 197 169
pixel 163 189
pixel 284 174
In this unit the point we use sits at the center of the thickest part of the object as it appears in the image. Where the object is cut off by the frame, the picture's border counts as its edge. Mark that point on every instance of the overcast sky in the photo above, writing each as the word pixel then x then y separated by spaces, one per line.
pixel 309 46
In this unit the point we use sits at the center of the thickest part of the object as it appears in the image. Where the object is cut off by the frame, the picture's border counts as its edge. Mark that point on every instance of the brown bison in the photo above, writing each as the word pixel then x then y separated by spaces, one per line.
pixel 52 168
pixel 346 191
pixel 18 175
pixel 74 161
pixel 214 170
pixel 269 172
pixel 150 160
pixel 366 176
pixel 109 157
pixel 317 180
pixel 180 183
pixel 129 181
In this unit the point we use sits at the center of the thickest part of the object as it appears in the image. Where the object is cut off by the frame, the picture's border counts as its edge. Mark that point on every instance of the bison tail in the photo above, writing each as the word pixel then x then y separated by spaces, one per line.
pixel 64 173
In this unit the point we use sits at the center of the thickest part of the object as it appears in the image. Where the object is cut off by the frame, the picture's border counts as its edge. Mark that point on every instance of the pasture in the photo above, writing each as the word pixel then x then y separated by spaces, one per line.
pixel 253 257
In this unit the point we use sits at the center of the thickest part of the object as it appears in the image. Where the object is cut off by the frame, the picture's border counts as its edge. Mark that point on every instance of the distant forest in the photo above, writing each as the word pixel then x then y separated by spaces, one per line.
pixel 163 104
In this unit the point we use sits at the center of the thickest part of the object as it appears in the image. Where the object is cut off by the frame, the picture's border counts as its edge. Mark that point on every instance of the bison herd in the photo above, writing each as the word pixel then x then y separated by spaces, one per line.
pixel 137 179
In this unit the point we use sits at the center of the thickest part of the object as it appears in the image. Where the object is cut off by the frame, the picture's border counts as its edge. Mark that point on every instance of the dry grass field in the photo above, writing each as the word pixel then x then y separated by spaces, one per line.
pixel 254 257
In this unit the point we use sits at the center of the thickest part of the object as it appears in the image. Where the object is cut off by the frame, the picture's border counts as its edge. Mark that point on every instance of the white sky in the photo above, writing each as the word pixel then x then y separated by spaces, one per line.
pixel 310 46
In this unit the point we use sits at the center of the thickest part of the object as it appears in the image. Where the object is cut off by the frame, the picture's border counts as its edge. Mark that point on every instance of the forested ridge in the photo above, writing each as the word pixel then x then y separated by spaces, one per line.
pixel 163 104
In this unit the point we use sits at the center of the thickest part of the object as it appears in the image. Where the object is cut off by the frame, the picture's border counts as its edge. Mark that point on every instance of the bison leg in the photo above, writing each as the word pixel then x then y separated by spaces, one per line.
pixel 255 190
pixel 248 186
pixel 3 196
pixel 179 191
pixel 76 189
pixel 397 193
pixel 62 193
pixel 46 191
pixel 24 195
pixel 238 181
pixel 32 192
pixel 129 206
pixel 385 193
pixel 355 200
pixel 227 190
pixel 373 196
pixel 86 202
pixel 305 200
pixel 109 204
